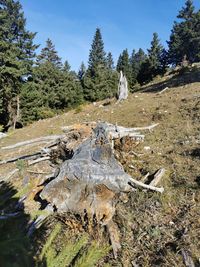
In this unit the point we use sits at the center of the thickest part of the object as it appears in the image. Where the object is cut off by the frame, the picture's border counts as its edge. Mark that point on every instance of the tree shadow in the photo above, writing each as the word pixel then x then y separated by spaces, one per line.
pixel 16 248
pixel 181 77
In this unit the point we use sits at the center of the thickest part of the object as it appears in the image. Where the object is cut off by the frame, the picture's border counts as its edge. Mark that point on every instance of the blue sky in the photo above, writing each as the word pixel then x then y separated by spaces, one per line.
pixel 124 24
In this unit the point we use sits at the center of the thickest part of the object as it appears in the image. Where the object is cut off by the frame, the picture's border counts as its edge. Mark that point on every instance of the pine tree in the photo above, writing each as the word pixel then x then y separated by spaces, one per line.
pixel 16 59
pixel 99 81
pixel 187 11
pixel 66 67
pixel 133 79
pixel 53 87
pixel 82 71
pixel 140 58
pixel 97 55
pixel 155 55
pixel 50 55
pixel 109 61
pixel 184 38
pixel 152 66
pixel 123 64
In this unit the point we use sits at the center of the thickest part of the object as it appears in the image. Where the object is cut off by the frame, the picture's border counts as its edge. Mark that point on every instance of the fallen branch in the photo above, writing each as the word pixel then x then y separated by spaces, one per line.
pixel 38 160
pixel 24 157
pixel 145 178
pixel 33 141
pixel 38 172
pixel 165 89
pixel 157 177
pixel 150 187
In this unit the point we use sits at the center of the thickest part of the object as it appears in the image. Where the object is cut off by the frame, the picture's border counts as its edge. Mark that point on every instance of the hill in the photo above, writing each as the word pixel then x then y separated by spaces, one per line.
pixel 155 230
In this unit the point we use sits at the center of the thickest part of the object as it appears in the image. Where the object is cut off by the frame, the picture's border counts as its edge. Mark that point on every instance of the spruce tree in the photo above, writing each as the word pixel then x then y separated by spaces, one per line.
pixel 66 66
pixel 153 65
pixel 50 55
pixel 16 59
pixel 97 55
pixel 140 58
pixel 82 71
pixel 123 64
pixel 109 61
pixel 155 55
pixel 187 11
pixel 184 38
pixel 133 79
pixel 53 87
pixel 99 81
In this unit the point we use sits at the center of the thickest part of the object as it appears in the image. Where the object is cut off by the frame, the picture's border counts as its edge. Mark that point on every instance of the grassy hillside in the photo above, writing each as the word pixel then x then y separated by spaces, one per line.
pixel 155 230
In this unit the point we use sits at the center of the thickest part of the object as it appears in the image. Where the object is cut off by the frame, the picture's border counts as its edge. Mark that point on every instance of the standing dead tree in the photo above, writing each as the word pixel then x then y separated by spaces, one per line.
pixel 122 87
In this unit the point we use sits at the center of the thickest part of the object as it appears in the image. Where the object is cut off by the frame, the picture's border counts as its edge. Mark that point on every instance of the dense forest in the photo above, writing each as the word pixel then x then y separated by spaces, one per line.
pixel 36 86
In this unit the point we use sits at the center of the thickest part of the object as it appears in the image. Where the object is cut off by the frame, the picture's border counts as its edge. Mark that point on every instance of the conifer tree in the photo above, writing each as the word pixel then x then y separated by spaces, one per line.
pixel 99 81
pixel 16 59
pixel 123 64
pixel 97 55
pixel 52 87
pixel 152 66
pixel 184 38
pixel 155 55
pixel 109 61
pixel 82 71
pixel 50 55
pixel 66 66
pixel 133 76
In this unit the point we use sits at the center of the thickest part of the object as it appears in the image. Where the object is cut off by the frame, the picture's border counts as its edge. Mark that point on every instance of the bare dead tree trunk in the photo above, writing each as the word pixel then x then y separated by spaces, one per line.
pixel 122 87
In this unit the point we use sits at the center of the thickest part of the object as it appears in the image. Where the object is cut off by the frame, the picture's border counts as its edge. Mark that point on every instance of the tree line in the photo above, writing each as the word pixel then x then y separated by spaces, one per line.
pixel 34 87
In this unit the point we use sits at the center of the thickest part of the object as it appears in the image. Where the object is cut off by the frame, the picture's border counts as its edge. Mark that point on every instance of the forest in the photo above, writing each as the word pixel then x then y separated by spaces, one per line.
pixel 37 86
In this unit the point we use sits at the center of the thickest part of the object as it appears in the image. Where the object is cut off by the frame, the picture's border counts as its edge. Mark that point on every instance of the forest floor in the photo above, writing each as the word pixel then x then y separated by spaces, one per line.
pixel 155 230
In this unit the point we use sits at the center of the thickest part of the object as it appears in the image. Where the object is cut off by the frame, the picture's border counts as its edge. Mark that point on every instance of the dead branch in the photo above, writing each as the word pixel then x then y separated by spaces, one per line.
pixel 145 178
pixel 165 89
pixel 38 172
pixel 157 177
pixel 24 157
pixel 38 160
pixel 150 187
pixel 33 141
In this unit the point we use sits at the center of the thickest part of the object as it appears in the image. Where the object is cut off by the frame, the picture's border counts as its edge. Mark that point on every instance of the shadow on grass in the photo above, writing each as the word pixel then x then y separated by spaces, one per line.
pixel 183 77
pixel 16 249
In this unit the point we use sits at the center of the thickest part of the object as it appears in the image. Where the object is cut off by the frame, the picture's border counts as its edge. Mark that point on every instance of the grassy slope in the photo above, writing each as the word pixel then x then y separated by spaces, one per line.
pixel 154 228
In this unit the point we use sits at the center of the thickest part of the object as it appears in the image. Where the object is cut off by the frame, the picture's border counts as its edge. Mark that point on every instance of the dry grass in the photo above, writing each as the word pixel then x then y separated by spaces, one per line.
pixel 153 228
